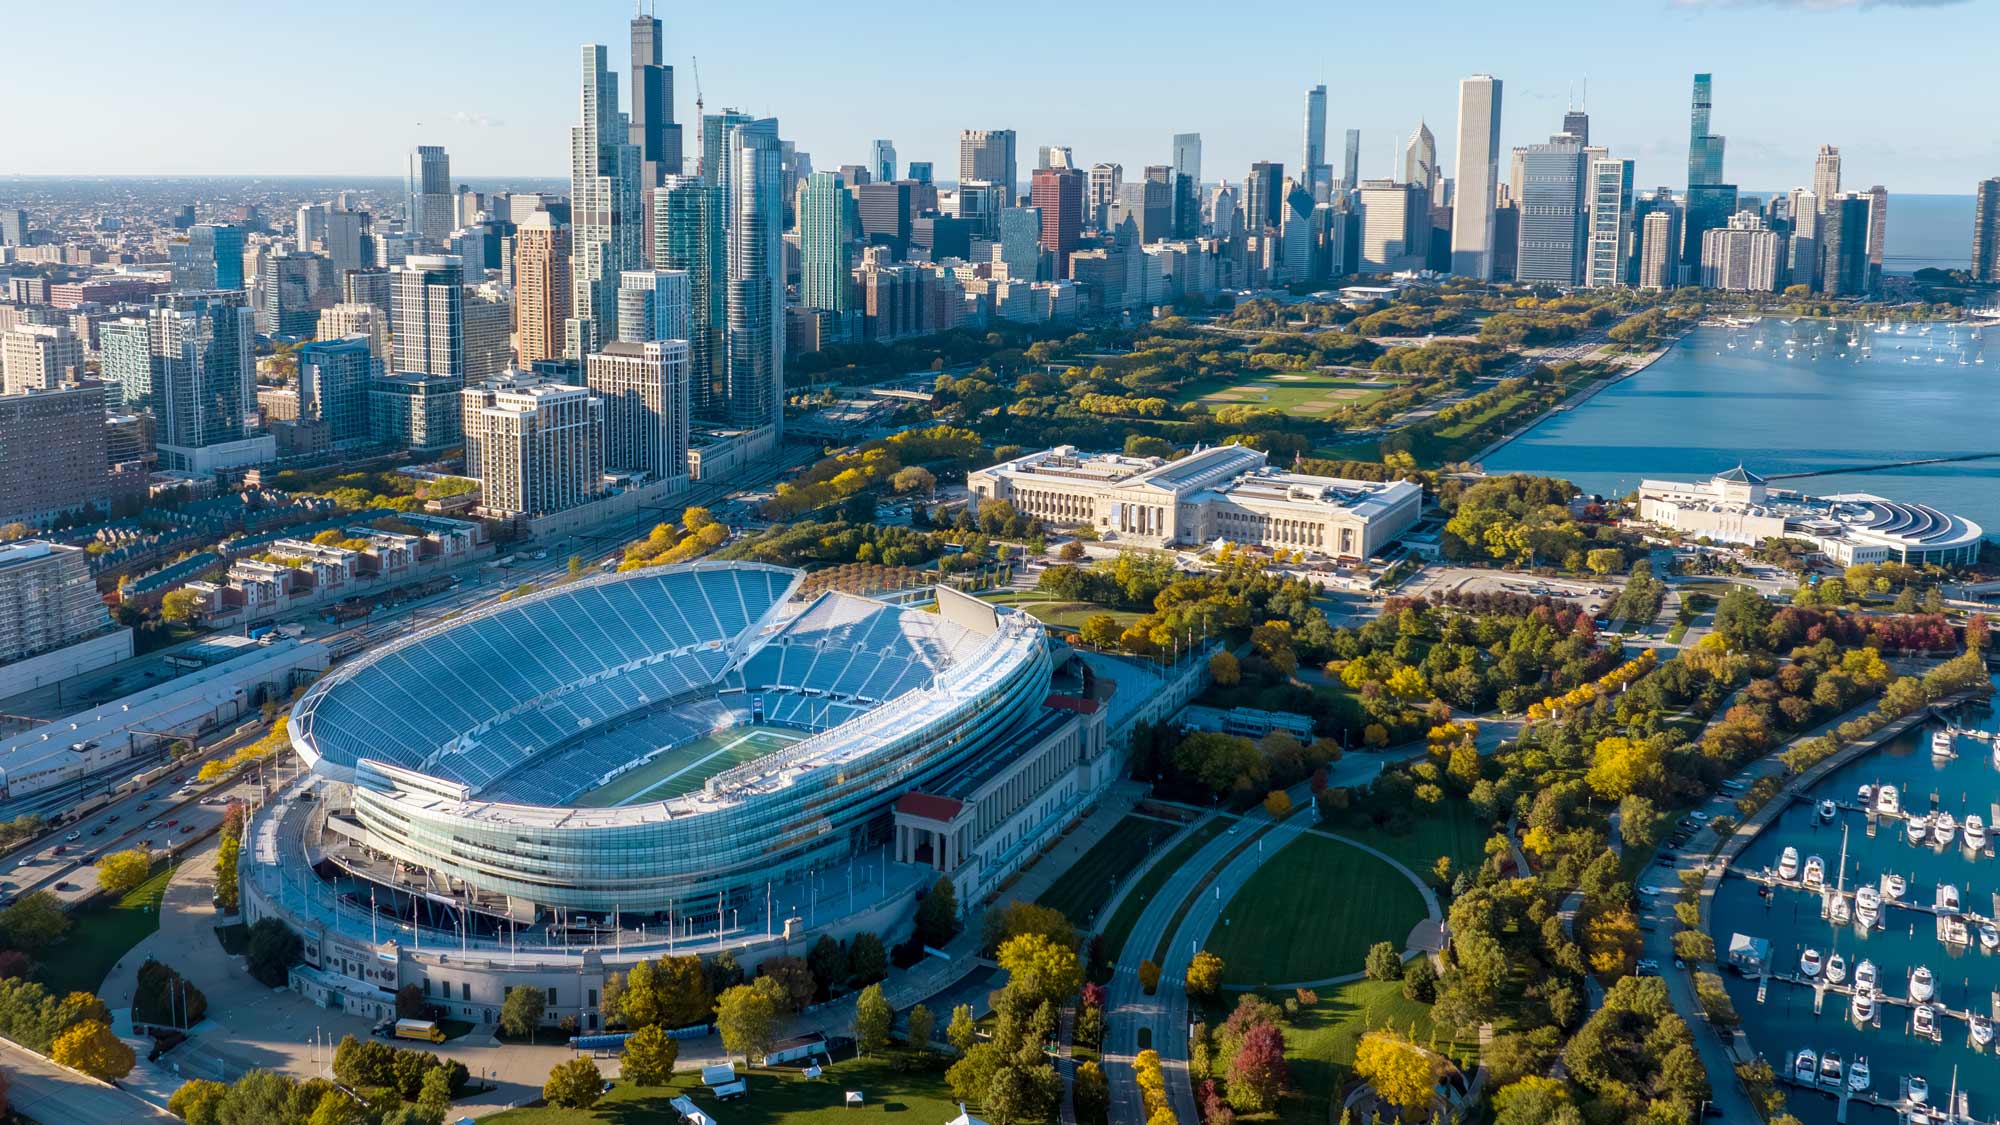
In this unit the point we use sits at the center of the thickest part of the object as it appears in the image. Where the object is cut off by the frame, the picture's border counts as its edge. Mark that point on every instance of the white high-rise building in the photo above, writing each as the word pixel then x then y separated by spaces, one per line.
pixel 754 342
pixel 204 367
pixel 356 319
pixel 644 388
pixel 39 357
pixel 1608 253
pixel 654 305
pixel 1478 176
pixel 428 296
pixel 536 445
pixel 1826 173
pixel 607 208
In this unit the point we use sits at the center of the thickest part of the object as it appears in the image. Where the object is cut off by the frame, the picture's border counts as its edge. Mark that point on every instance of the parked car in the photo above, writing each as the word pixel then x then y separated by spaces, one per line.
pixel 74 836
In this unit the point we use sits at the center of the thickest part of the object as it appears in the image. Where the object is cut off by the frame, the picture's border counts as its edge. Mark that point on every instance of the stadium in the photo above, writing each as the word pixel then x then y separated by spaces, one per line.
pixel 688 735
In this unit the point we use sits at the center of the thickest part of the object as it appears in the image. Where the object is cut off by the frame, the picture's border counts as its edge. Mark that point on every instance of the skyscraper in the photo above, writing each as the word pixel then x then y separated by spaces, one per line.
pixel 1741 257
pixel 605 208
pixel 204 368
pixel 644 388
pixel 1844 245
pixel 652 305
pixel 1420 160
pixel 1105 180
pixel 1607 258
pixel 1058 194
pixel 355 319
pixel 1263 195
pixel 39 357
pixel 829 226
pixel 429 313
pixel 1553 213
pixel 291 290
pixel 541 289
pixel 988 155
pixel 1395 226
pixel 1710 201
pixel 430 208
pixel 211 258
pixel 882 161
pixel 1986 231
pixel 335 378
pixel 1826 172
pixel 1660 245
pixel 1021 242
pixel 755 341
pixel 1878 233
pixel 1187 156
pixel 1704 148
pixel 690 235
pixel 52 465
pixel 537 446
pixel 1350 161
pixel 653 131
pixel 1577 124
pixel 1314 155
pixel 1478 176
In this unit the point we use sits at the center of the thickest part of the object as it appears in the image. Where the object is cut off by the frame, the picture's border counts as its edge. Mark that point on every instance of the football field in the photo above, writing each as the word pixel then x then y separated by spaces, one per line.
pixel 684 768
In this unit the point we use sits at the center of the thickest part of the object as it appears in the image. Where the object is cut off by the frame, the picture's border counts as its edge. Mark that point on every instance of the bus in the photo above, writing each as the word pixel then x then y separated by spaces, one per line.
pixel 419 1029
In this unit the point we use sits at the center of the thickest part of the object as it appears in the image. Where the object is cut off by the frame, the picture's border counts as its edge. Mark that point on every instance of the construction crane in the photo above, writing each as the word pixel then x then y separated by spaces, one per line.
pixel 701 124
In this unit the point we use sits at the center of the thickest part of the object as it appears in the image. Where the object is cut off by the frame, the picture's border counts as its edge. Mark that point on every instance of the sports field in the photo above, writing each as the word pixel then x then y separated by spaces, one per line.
pixel 1312 394
pixel 683 769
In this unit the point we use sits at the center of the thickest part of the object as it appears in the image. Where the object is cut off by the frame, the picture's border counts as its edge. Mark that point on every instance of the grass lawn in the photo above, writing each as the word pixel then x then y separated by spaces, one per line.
pixel 1312 911
pixel 1311 394
pixel 1083 890
pixel 780 1096
pixel 1055 611
pixel 1119 927
pixel 1454 830
pixel 1319 1045
pixel 101 935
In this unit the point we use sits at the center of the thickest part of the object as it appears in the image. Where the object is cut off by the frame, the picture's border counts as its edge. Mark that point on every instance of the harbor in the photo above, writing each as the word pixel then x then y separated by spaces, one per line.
pixel 1873 907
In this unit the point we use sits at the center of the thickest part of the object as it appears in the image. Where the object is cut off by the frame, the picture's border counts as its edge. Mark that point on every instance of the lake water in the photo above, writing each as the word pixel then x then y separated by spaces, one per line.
pixel 1928 231
pixel 1967 977
pixel 1705 406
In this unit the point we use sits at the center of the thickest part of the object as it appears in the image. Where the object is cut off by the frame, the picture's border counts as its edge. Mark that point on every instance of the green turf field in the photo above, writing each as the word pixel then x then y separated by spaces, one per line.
pixel 1312 394
pixel 1084 888
pixel 684 768
pixel 1311 912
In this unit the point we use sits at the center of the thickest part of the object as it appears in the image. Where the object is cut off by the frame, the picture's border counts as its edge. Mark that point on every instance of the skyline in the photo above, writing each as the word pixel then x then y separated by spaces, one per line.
pixel 502 101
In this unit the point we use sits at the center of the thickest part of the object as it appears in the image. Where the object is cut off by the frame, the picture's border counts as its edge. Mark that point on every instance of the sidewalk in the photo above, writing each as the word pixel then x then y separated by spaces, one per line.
pixel 44 1091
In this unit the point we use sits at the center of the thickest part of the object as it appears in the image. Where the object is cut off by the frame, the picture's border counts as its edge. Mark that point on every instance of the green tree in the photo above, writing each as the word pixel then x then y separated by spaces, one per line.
pixel 1204 975
pixel 1384 962
pixel 746 1016
pixel 272 951
pixel 962 1032
pixel 576 1084
pixel 649 1057
pixel 521 1010
pixel 867 960
pixel 336 1108
pixel 923 1024
pixel 34 921
pixel 198 1101
pixel 434 1094
pixel 121 871
pixel 179 606
pixel 872 1017
pixel 937 914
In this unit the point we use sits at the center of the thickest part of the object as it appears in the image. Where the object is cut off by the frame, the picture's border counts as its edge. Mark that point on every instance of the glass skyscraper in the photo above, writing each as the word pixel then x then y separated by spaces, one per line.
pixel 688 231
pixel 828 227
pixel 755 339
pixel 606 208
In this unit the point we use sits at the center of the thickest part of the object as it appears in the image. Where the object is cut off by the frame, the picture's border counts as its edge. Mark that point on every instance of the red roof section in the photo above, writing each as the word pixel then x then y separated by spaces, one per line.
pixel 929 806
pixel 1075 703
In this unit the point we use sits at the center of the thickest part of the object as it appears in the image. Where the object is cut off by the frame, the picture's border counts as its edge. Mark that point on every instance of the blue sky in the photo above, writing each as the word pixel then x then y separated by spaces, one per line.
pixel 288 87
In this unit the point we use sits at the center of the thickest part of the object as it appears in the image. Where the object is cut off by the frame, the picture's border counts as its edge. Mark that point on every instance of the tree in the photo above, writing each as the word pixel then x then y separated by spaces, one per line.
pixel 923 1024
pixel 1420 981
pixel 746 1016
pixel 521 1010
pixel 1224 669
pixel 91 1048
pixel 828 961
pixel 867 960
pixel 1040 970
pixel 1535 1100
pixel 34 921
pixel 576 1084
pixel 649 1056
pixel 962 1032
pixel 1401 1073
pixel 336 1108
pixel 121 871
pixel 1622 765
pixel 1091 1093
pixel 1204 975
pixel 197 1101
pixel 793 979
pixel 1100 630
pixel 272 951
pixel 1604 560
pixel 1149 976
pixel 1257 1072
pixel 937 915
pixel 913 478
pixel 1384 962
pixel 180 606
pixel 872 1017
pixel 434 1094
pixel 1278 804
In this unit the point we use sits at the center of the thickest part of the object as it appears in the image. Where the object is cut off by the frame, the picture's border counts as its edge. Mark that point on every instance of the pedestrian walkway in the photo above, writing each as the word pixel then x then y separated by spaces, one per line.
pixel 44 1091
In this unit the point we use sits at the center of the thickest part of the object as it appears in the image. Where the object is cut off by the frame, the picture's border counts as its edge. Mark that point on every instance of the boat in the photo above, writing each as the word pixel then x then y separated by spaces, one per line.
pixel 1836 968
pixel 1815 875
pixel 1955 932
pixel 1920 1090
pixel 1944 829
pixel 1827 812
pixel 1809 963
pixel 1866 794
pixel 1864 977
pixel 1892 886
pixel 1839 910
pixel 1941 743
pixel 1857 1074
pixel 1788 863
pixel 1917 828
pixel 1923 1021
pixel 1831 1073
pixel 1888 800
pixel 1975 833
pixel 1805 1066
pixel 1867 906
pixel 1946 901
pixel 1923 986
pixel 1989 938
pixel 1862 1007
pixel 1982 1030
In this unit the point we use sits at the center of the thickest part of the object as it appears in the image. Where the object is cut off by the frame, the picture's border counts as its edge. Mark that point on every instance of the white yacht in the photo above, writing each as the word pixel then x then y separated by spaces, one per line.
pixel 1923 986
pixel 1893 886
pixel 1827 811
pixel 1809 963
pixel 1839 909
pixel 1788 863
pixel 1944 829
pixel 1982 1030
pixel 1920 1090
pixel 1955 931
pixel 1831 1074
pixel 1805 1066
pixel 1864 977
pixel 1941 743
pixel 1866 794
pixel 1947 899
pixel 1888 800
pixel 1862 1007
pixel 1975 833
pixel 1836 968
pixel 1857 1074
pixel 1917 827
pixel 1815 875
pixel 1989 938
pixel 1923 1021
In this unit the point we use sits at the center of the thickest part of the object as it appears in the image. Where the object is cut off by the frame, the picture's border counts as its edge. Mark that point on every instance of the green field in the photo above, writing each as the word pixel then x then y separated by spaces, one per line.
pixel 1320 1042
pixel 1312 912
pixel 1453 829
pixel 1119 927
pixel 779 1097
pixel 685 767
pixel 1084 889
pixel 1055 611
pixel 101 935
pixel 1310 394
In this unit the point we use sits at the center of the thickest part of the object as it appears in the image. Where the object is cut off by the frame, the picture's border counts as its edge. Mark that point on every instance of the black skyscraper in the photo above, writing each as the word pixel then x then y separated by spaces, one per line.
pixel 653 129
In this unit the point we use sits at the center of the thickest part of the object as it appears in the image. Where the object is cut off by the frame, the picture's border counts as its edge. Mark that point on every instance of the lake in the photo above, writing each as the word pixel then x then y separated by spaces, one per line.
pixel 1706 406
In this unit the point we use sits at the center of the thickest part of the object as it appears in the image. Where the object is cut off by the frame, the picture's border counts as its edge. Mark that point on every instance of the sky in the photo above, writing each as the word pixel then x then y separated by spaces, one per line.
pixel 286 87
